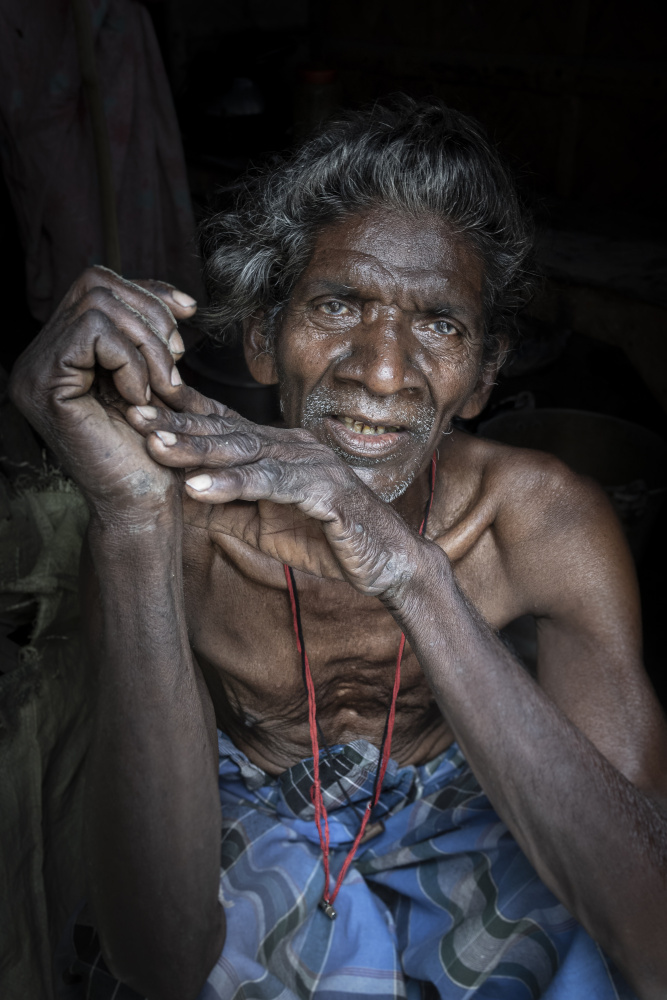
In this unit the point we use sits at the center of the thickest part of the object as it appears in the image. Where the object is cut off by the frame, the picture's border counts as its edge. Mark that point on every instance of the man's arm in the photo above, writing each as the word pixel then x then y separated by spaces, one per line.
pixel 579 573
pixel 153 816
pixel 596 840
pixel 153 809
pixel 575 764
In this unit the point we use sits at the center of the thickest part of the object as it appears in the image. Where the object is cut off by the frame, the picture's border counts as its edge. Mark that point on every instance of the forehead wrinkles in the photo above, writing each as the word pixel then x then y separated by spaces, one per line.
pixel 411 288
pixel 351 267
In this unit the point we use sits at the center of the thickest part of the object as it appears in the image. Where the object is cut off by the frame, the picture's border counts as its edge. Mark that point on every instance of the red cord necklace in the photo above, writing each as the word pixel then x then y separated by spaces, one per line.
pixel 321 818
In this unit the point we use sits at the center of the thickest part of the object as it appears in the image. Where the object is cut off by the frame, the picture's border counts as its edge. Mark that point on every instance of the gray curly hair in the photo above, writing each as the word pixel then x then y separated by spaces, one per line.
pixel 416 157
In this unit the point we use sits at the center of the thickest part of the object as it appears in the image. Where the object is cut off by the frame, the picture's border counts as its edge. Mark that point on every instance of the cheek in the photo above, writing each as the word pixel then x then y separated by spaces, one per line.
pixel 303 354
pixel 457 353
pixel 297 367
pixel 455 380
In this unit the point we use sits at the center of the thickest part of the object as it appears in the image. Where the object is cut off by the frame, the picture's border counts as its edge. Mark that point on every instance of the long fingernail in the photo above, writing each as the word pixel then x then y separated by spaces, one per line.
pixel 147 412
pixel 175 377
pixel 183 300
pixel 148 394
pixel 176 345
pixel 166 437
pixel 200 483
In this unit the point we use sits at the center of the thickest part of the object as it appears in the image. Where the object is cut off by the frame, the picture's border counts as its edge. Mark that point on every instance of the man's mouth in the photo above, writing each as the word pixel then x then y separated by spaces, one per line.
pixel 366 431
pixel 358 440
pixel 383 439
pixel 360 427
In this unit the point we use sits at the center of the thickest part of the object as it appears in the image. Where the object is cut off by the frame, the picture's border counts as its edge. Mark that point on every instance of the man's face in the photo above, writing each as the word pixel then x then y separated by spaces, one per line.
pixel 381 344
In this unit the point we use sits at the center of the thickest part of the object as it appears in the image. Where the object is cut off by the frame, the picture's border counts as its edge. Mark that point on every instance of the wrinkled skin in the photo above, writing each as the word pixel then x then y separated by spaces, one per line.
pixel 193 512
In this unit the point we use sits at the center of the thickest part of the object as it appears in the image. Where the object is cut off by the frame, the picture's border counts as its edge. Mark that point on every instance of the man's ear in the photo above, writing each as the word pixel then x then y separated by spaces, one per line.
pixel 476 403
pixel 480 395
pixel 258 355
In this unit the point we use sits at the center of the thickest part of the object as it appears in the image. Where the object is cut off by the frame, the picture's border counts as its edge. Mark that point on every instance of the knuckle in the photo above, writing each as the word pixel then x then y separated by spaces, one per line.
pixel 212 424
pixel 153 304
pixel 98 297
pixel 162 314
pixel 192 424
pixel 248 445
pixel 208 446
pixel 95 276
pixel 95 273
pixel 178 421
pixel 94 321
pixel 274 472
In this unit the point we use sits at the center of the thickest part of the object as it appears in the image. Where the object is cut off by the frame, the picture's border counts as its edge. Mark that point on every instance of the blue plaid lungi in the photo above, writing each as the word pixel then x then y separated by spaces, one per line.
pixel 441 903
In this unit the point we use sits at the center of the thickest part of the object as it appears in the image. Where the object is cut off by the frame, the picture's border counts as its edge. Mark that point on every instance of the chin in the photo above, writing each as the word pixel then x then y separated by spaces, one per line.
pixel 384 488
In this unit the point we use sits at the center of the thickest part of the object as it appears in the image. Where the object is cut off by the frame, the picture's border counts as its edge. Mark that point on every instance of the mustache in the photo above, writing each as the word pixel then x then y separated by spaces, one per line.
pixel 324 402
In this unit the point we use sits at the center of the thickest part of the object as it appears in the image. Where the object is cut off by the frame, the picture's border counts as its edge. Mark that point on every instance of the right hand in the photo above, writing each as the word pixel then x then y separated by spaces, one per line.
pixel 110 343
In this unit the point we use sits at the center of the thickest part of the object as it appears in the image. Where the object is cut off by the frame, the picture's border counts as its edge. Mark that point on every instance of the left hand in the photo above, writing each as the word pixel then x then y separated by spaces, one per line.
pixel 229 458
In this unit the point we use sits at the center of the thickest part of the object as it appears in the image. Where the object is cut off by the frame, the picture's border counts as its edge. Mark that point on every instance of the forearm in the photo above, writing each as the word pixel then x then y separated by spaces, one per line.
pixel 153 811
pixel 594 838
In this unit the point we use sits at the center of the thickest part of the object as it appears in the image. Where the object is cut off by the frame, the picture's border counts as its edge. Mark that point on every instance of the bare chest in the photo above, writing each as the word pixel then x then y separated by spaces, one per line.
pixel 241 629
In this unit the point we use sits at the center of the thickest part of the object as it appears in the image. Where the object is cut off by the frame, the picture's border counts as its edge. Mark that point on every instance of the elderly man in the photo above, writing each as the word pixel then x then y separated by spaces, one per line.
pixel 249 617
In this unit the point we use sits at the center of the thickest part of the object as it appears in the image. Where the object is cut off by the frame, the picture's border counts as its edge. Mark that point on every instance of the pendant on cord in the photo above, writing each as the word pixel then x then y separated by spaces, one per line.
pixel 328 909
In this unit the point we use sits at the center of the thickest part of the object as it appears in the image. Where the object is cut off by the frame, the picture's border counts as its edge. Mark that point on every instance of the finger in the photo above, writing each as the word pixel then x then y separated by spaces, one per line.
pixel 158 303
pixel 183 451
pixel 213 419
pixel 146 419
pixel 261 481
pixel 164 377
pixel 96 341
pixel 196 402
pixel 180 303
pixel 244 444
pixel 264 480
pixel 161 323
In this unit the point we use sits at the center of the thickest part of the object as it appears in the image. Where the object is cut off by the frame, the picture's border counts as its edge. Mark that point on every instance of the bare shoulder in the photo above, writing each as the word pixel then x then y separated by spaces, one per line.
pixel 551 531
pixel 553 548
pixel 529 491
pixel 538 496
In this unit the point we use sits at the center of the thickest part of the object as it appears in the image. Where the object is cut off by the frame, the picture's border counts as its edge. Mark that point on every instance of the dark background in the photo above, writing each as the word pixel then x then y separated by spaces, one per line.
pixel 573 93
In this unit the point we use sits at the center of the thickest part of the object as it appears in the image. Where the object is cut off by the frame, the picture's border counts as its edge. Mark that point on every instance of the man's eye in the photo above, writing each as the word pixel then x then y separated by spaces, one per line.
pixel 443 327
pixel 333 308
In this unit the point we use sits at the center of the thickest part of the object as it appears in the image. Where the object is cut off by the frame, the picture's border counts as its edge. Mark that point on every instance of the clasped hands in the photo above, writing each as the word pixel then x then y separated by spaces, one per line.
pixel 228 458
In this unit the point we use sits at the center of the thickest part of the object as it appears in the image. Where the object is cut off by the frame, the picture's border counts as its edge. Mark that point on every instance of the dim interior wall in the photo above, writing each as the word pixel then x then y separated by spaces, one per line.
pixel 573 92
pixel 639 328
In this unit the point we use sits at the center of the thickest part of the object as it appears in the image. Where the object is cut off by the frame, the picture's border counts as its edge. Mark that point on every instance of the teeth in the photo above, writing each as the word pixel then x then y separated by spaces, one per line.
pixel 359 427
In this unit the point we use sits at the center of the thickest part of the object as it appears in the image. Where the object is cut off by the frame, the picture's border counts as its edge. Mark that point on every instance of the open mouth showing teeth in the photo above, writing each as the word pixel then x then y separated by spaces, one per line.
pixel 361 428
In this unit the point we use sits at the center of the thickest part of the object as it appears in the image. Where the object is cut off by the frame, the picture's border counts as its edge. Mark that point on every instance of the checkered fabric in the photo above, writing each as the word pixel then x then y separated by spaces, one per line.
pixel 441 904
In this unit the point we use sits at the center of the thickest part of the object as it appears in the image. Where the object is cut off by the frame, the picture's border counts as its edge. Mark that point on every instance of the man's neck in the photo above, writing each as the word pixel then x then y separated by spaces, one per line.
pixel 412 503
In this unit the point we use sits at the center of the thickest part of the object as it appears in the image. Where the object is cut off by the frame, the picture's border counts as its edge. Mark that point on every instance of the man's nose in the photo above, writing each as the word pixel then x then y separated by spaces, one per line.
pixel 382 357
